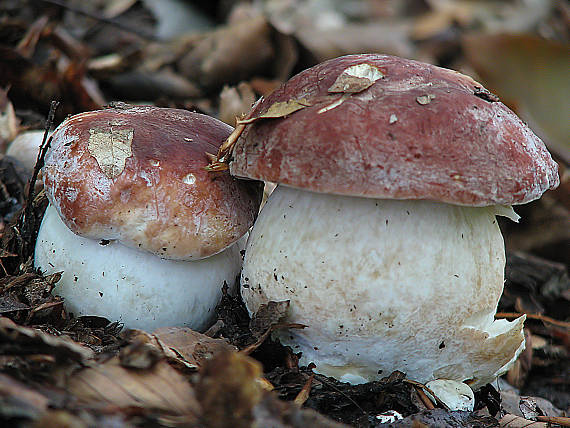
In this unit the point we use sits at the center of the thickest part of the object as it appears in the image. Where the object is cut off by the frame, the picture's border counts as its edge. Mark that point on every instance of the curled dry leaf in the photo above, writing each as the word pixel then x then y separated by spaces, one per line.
pixel 193 347
pixel 279 109
pixel 275 111
pixel 110 385
pixel 24 340
pixel 145 342
pixel 141 353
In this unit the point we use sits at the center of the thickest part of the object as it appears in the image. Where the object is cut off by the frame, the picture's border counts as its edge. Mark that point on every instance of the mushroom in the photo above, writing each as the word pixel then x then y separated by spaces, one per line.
pixel 382 232
pixel 143 234
pixel 25 147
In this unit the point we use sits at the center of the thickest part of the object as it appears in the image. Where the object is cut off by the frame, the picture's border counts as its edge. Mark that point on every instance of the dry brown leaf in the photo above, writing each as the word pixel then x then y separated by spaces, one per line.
pixel 224 56
pixel 381 37
pixel 109 384
pixel 147 347
pixel 15 338
pixel 560 420
pixel 60 419
pixel 229 389
pixel 141 353
pixel 193 347
pixel 280 109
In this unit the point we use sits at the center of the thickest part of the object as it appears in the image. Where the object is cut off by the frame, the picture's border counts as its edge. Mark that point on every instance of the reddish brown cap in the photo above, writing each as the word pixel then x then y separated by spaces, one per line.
pixel 386 127
pixel 137 175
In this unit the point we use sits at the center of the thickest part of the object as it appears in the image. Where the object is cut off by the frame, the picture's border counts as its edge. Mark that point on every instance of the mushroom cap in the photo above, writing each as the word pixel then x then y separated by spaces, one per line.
pixel 136 175
pixel 385 127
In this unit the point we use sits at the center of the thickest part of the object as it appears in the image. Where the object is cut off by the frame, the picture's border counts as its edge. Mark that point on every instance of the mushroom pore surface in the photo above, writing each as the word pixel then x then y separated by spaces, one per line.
pixel 131 286
pixel 411 285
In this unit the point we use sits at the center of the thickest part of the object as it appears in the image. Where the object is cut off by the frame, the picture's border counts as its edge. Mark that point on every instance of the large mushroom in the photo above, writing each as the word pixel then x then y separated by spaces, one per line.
pixel 382 233
pixel 143 234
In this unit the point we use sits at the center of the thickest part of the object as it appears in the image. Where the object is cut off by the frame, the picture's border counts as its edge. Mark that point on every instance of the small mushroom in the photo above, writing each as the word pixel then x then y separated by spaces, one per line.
pixel 143 233
pixel 26 146
pixel 455 395
pixel 382 234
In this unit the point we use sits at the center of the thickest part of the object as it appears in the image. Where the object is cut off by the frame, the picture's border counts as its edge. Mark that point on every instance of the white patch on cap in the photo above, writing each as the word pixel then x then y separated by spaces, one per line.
pixel 425 99
pixel 189 179
pixel 333 104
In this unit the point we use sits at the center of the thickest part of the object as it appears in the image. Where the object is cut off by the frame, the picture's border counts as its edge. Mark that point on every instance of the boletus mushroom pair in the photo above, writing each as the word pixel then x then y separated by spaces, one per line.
pixel 382 232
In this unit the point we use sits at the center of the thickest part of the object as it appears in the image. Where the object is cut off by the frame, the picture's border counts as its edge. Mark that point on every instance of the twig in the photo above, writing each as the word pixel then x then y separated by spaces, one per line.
pixel 539 317
pixel 28 209
pixel 39 164
pixel 330 385
pixel 560 420
pixel 424 398
pixel 303 394
pixel 422 386
pixel 100 18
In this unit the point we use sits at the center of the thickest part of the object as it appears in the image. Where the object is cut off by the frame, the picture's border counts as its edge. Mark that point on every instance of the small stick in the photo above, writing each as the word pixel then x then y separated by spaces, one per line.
pixel 425 399
pixel 25 230
pixel 303 394
pixel 422 386
pixel 39 164
pixel 560 420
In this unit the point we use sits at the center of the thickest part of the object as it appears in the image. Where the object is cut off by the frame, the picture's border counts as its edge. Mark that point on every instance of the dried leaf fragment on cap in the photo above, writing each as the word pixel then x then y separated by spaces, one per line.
pixel 356 78
pixel 280 109
pixel 111 148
